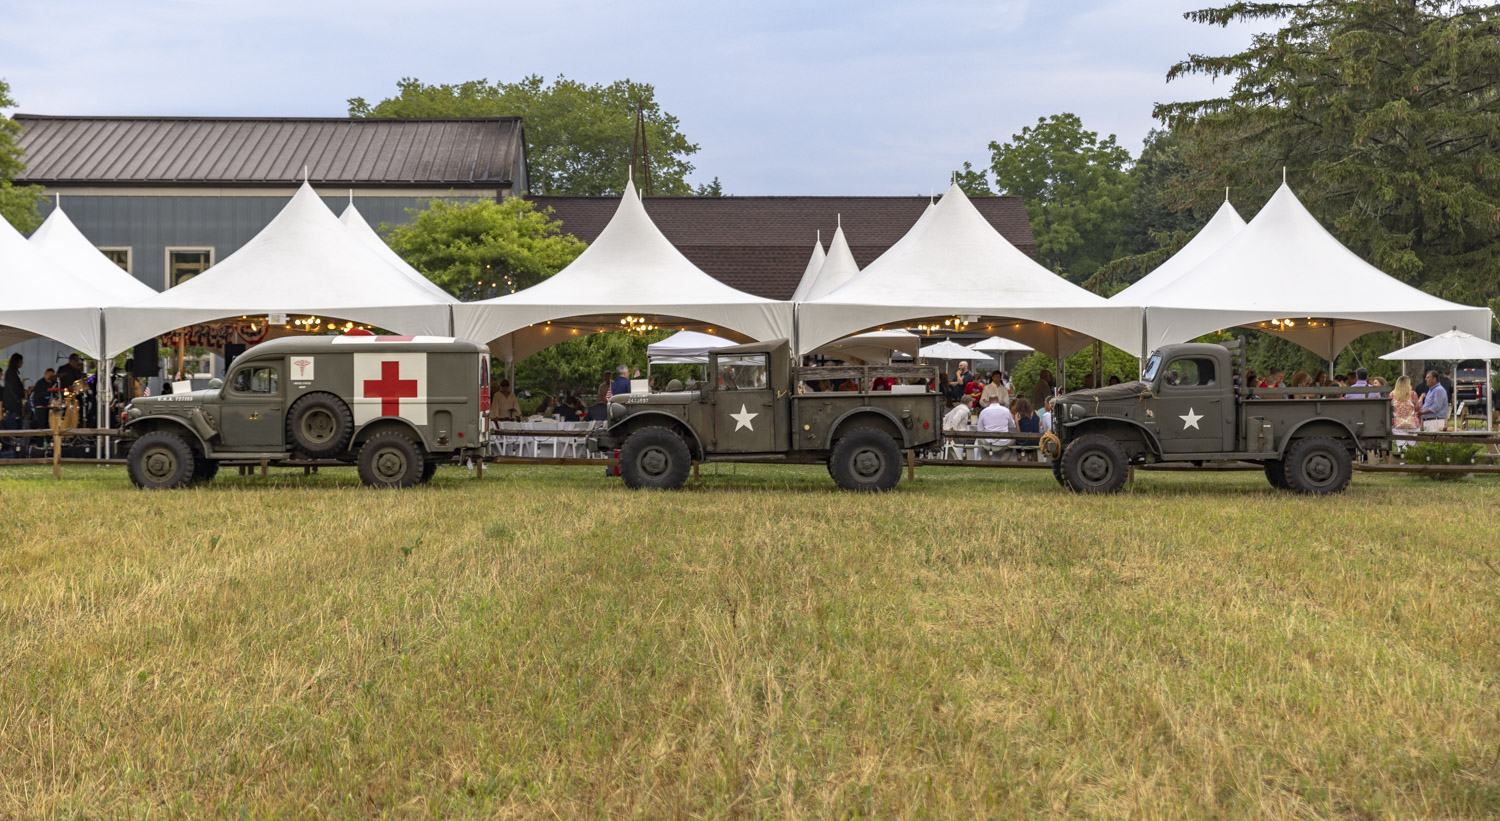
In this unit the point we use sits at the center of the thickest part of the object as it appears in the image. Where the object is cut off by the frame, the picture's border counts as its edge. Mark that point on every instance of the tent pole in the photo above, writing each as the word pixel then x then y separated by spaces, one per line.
pixel 1403 362
pixel 105 393
pixel 1489 412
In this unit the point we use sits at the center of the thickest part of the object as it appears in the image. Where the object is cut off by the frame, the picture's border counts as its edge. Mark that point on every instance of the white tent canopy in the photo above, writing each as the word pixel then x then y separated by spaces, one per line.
pixel 997 344
pixel 303 262
pixel 61 241
pixel 1286 266
pixel 355 222
pixel 1451 346
pixel 629 270
pixel 838 268
pixel 873 348
pixel 950 350
pixel 1225 225
pixel 39 297
pixel 810 273
pixel 958 264
pixel 686 347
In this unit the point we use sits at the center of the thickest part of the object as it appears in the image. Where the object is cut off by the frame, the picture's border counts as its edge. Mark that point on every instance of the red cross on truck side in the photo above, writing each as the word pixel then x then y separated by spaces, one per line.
pixel 390 389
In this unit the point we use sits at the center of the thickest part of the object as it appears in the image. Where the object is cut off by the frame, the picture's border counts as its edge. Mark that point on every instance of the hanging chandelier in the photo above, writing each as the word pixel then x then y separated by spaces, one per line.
pixel 637 325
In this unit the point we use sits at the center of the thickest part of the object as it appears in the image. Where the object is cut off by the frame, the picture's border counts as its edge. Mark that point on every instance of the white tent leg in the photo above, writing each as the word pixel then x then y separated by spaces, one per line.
pixel 105 395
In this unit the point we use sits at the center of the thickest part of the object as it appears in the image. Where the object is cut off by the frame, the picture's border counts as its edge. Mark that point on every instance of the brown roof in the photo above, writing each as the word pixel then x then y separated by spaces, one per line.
pixel 762 244
pixel 471 152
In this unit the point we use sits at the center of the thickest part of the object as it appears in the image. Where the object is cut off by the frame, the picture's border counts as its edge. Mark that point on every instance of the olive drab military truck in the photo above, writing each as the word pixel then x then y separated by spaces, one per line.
pixel 393 405
pixel 756 406
pixel 1192 404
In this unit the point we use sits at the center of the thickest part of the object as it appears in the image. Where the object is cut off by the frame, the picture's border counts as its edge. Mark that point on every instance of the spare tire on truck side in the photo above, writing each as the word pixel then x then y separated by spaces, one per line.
pixel 320 425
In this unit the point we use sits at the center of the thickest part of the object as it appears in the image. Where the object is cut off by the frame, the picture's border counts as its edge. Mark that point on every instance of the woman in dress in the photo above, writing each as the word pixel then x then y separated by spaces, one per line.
pixel 1403 411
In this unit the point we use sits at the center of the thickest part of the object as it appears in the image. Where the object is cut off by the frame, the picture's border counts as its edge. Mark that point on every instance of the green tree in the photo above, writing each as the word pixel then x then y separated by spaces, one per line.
pixel 710 189
pixel 579 365
pixel 578 136
pixel 1387 117
pixel 1076 189
pixel 973 183
pixel 483 248
pixel 18 204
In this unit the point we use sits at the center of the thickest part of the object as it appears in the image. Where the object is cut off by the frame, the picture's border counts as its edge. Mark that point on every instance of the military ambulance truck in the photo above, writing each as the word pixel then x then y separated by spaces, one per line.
pixel 1192 405
pixel 392 405
pixel 755 406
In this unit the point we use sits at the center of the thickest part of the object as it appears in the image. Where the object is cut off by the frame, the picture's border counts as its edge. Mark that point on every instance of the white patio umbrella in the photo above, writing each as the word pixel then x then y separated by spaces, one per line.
pixel 950 350
pixel 1455 346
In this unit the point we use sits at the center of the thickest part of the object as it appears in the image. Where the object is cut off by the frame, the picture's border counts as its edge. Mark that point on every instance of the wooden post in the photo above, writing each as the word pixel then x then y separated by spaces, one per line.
pixel 479 466
pixel 56 454
pixel 911 466
pixel 265 468
pixel 695 470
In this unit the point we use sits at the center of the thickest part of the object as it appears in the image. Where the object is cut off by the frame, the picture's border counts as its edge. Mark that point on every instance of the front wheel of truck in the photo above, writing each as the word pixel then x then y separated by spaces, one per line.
pixel 865 459
pixel 1094 463
pixel 655 457
pixel 1317 465
pixel 160 460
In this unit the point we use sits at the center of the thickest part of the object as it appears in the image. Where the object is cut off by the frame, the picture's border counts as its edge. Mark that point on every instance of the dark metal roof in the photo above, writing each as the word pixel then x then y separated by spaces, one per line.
pixel 470 152
pixel 762 244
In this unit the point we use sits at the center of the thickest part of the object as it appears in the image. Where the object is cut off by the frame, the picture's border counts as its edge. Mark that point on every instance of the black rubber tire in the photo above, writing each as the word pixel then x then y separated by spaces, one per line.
pixel 1317 466
pixel 655 458
pixel 391 459
pixel 428 469
pixel 1276 474
pixel 865 460
pixel 1057 473
pixel 160 460
pixel 1094 463
pixel 204 470
pixel 320 425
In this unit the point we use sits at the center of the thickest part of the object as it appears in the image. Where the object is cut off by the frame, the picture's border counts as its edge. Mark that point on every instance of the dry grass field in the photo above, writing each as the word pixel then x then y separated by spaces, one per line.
pixel 545 643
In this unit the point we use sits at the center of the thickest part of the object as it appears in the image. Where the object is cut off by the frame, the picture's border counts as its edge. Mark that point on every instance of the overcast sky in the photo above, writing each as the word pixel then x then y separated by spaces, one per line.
pixel 783 97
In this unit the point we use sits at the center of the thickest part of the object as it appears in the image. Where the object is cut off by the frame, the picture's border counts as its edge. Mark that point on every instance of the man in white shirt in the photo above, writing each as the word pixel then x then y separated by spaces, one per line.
pixel 1045 423
pixel 996 417
pixel 958 418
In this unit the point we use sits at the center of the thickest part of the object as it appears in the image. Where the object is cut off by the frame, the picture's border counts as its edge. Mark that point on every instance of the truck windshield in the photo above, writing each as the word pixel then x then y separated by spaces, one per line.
pixel 741 372
pixel 1152 366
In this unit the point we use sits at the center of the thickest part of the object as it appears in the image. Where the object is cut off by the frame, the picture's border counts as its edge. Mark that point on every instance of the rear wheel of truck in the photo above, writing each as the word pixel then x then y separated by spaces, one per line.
pixel 319 425
pixel 655 457
pixel 1094 463
pixel 160 460
pixel 1317 465
pixel 204 470
pixel 865 459
pixel 1276 473
pixel 428 469
pixel 391 459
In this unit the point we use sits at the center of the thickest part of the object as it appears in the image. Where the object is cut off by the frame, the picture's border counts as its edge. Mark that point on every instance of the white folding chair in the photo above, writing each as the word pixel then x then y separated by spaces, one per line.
pixel 539 442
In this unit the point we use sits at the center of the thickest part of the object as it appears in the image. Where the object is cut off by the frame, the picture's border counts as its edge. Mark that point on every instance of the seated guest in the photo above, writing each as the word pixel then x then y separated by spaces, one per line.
pixel 1300 379
pixel 1321 380
pixel 1113 380
pixel 1027 420
pixel 975 388
pixel 849 385
pixel 958 418
pixel 547 409
pixel 1361 379
pixel 571 410
pixel 1044 423
pixel 996 417
pixel 881 383
pixel 1273 379
pixel 599 411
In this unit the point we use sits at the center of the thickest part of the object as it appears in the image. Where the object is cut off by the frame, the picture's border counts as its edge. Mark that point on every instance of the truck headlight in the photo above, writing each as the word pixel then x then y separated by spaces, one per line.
pixel 616 411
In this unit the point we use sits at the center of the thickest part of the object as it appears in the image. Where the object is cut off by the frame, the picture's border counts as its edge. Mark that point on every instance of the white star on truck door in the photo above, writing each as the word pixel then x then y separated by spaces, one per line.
pixel 1191 420
pixel 742 419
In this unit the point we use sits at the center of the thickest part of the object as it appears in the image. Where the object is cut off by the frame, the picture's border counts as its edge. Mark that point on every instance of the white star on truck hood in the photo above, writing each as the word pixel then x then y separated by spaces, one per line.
pixel 742 419
pixel 1191 420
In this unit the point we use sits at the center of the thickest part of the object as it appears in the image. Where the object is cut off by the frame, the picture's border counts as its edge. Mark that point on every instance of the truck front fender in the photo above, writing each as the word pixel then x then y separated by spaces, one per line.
pixel 887 422
pixel 1320 426
pixel 631 423
pixel 175 424
pixel 1114 428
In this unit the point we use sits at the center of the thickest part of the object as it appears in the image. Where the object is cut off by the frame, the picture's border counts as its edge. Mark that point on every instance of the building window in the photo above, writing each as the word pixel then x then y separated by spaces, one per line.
pixel 185 263
pixel 119 256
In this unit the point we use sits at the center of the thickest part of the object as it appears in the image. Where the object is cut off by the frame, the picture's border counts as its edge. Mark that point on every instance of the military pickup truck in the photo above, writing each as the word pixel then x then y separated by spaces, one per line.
pixel 1193 405
pixel 756 406
pixel 392 405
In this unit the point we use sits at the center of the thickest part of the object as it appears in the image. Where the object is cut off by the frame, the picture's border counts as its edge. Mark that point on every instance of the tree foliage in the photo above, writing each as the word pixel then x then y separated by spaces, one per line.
pixel 1076 189
pixel 578 136
pixel 1385 114
pixel 580 365
pixel 483 248
pixel 18 204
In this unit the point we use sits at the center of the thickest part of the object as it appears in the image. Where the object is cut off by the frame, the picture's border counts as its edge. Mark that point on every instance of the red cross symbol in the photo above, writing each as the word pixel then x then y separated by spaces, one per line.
pixel 390 388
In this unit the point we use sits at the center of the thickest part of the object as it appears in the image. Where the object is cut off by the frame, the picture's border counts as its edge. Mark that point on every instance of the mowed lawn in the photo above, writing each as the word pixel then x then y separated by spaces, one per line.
pixel 543 642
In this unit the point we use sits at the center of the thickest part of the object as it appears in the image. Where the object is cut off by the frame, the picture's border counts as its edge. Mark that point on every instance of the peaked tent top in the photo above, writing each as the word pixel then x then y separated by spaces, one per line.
pixel 999 345
pixel 687 344
pixel 64 244
pixel 1225 224
pixel 355 222
pixel 630 268
pixel 304 261
pixel 810 273
pixel 1453 346
pixel 837 269
pixel 1285 264
pixel 43 298
pixel 950 350
pixel 954 262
